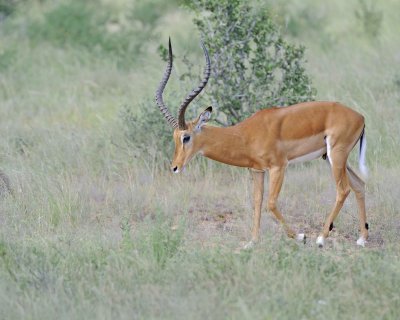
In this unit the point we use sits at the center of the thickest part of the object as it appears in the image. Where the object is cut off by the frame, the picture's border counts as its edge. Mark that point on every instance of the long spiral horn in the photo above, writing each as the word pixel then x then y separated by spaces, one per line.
pixel 195 92
pixel 159 99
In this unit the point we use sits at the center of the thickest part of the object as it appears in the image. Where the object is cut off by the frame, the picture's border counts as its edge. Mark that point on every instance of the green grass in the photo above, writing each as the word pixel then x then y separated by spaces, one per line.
pixel 96 229
pixel 154 274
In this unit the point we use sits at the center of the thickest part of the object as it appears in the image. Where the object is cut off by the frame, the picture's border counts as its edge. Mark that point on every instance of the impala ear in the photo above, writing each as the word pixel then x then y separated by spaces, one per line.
pixel 204 117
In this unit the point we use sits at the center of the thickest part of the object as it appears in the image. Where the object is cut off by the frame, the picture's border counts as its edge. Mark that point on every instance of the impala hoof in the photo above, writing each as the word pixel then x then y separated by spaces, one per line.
pixel 301 237
pixel 320 241
pixel 250 245
pixel 361 242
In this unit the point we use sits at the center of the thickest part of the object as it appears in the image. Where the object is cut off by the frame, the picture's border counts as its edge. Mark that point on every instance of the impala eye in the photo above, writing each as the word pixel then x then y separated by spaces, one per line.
pixel 186 139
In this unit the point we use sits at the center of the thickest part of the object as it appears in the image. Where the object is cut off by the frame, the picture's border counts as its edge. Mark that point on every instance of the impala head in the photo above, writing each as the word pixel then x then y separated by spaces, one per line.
pixel 185 133
pixel 187 141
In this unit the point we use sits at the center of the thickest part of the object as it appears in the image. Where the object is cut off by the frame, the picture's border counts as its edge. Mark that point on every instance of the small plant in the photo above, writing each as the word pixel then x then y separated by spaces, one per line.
pixel 165 241
pixel 146 131
pixel 127 243
pixel 158 242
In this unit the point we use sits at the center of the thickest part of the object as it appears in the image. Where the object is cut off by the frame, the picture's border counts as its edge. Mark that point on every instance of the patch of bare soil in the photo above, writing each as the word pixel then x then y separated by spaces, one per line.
pixel 224 221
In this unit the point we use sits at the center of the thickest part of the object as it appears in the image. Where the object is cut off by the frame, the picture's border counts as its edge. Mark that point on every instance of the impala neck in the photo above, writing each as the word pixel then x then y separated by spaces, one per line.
pixel 225 145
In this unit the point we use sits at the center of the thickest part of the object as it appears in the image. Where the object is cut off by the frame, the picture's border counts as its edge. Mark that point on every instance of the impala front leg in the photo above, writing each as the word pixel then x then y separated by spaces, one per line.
pixel 276 175
pixel 258 193
pixel 258 182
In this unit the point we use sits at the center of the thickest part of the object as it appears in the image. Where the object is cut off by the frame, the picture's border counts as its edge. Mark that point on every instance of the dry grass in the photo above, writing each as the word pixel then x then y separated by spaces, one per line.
pixel 133 246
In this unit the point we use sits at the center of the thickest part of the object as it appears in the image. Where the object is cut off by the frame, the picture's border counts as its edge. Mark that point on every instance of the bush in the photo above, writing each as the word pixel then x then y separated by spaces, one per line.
pixel 77 24
pixel 253 67
pixel 122 33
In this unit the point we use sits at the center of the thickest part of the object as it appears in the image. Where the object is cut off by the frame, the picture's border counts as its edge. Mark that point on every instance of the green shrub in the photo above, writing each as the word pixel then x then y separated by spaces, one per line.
pixel 121 33
pixel 253 67
pixel 72 23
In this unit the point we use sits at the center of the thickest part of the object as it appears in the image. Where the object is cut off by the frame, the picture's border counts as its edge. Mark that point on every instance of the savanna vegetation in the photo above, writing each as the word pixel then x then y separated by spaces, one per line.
pixel 96 227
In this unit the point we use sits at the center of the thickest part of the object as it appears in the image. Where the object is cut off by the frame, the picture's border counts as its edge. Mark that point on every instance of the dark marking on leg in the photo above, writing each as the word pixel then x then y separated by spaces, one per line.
pixel 331 226
pixel 366 226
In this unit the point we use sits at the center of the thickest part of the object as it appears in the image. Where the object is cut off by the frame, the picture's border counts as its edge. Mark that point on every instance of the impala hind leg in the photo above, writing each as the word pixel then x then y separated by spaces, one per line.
pixel 276 175
pixel 258 182
pixel 358 186
pixel 338 164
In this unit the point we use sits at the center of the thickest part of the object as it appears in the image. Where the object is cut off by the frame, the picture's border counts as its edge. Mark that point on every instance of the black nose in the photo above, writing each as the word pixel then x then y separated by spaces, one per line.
pixel 175 169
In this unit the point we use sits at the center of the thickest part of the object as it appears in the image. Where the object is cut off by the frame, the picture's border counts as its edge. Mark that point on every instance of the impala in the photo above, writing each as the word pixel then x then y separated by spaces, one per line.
pixel 270 140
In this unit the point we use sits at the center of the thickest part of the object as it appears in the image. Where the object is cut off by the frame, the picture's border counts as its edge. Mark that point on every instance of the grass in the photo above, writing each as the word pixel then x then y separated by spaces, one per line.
pixel 97 281
pixel 96 230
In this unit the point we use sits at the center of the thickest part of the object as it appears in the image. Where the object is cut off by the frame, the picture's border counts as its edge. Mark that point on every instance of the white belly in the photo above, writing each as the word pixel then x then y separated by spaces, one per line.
pixel 309 156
